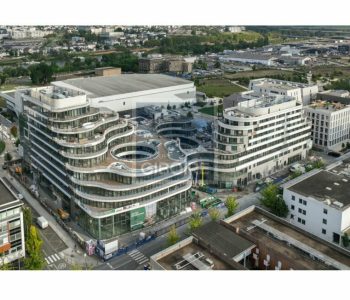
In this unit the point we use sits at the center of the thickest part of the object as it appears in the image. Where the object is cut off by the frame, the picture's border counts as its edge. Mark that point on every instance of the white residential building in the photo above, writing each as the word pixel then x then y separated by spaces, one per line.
pixel 12 244
pixel 259 136
pixel 303 92
pixel 319 202
pixel 330 124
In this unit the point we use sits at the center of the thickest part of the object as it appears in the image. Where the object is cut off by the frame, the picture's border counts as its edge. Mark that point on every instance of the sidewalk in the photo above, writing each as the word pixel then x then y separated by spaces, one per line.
pixel 75 257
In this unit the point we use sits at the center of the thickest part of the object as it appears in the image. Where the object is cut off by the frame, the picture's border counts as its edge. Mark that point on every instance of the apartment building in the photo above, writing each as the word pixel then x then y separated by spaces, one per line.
pixel 162 64
pixel 111 177
pixel 303 92
pixel 12 244
pixel 257 137
pixel 330 124
pixel 319 202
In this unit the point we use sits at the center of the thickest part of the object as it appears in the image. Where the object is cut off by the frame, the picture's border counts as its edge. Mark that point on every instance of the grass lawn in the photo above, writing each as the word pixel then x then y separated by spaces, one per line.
pixel 212 110
pixel 218 88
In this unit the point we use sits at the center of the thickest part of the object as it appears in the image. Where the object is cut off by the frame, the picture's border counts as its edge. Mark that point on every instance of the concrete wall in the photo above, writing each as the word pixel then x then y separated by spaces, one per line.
pixel 314 215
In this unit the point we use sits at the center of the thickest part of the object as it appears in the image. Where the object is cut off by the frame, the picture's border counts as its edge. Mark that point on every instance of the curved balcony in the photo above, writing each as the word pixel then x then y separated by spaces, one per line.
pixel 103 213
pixel 99 198
pixel 116 186
pixel 86 127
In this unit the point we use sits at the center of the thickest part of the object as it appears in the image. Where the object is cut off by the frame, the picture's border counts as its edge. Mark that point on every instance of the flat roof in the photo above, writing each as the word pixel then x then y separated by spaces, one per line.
pixel 223 239
pixel 168 261
pixel 6 196
pixel 325 185
pixel 103 86
pixel 297 258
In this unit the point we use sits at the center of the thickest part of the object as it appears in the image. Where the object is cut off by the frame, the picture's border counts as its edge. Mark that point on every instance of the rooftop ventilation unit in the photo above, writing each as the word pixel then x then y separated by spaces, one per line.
pixel 339 204
pixel 345 180
pixel 328 188
pixel 336 183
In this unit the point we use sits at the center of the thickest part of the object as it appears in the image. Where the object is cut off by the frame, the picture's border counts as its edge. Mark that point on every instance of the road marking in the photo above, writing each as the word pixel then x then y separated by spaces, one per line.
pixel 50 259
pixel 138 256
pixel 47 261
pixel 143 261
pixel 58 257
pixel 109 265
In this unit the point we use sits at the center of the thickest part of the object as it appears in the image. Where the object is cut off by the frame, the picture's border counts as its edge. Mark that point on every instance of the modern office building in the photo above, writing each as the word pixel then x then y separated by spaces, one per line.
pixel 330 124
pixel 12 244
pixel 110 176
pixel 319 202
pixel 258 137
pixel 303 92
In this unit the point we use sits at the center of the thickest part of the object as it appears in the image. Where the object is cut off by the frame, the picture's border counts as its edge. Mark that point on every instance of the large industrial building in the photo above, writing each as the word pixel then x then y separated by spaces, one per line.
pixel 128 92
pixel 121 93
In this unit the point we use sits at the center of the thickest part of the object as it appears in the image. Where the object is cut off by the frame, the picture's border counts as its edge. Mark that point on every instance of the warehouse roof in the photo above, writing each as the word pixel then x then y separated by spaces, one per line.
pixel 123 84
pixel 223 239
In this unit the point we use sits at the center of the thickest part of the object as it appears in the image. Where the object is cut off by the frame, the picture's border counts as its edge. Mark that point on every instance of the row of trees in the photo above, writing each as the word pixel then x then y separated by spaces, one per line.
pixel 202 44
pixel 272 199
pixel 196 219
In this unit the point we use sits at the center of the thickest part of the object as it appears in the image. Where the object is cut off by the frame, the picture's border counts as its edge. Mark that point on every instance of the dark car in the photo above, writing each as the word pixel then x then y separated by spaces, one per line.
pixel 334 154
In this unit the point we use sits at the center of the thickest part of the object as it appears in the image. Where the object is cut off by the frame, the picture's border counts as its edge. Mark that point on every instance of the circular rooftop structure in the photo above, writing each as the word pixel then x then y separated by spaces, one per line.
pixel 139 151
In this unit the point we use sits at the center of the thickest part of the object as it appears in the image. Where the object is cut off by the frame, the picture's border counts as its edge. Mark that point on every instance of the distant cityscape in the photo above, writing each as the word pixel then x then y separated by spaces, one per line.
pixel 174 147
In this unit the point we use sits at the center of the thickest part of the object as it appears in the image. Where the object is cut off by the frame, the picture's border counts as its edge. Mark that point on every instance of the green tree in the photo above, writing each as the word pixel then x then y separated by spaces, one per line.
pixel 318 163
pixel 14 131
pixel 8 156
pixel 271 198
pixel 190 115
pixel 214 214
pixel 35 259
pixel 41 73
pixel 195 221
pixel 173 237
pixel 17 142
pixel 345 240
pixel 231 205
pixel 217 65
pixel 27 220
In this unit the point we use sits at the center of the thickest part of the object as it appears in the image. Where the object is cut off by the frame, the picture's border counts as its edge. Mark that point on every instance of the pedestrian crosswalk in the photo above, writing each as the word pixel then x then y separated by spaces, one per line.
pixel 138 256
pixel 52 258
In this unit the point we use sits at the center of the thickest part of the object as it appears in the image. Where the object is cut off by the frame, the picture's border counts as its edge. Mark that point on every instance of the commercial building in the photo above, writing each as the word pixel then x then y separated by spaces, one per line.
pixel 110 176
pixel 249 57
pixel 128 92
pixel 303 92
pixel 257 137
pixel 163 64
pixel 252 239
pixel 330 124
pixel 12 244
pixel 319 202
